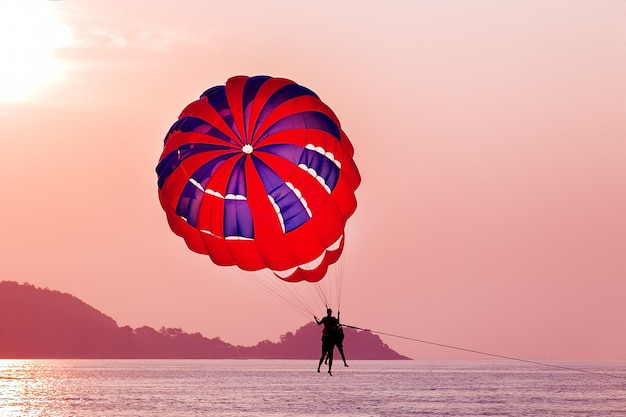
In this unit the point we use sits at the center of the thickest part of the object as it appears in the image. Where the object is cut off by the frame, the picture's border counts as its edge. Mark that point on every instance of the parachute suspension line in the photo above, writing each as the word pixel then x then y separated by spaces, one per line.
pixel 332 285
pixel 327 290
pixel 566 368
pixel 293 294
pixel 277 289
pixel 317 293
pixel 340 267
pixel 306 298
pixel 339 281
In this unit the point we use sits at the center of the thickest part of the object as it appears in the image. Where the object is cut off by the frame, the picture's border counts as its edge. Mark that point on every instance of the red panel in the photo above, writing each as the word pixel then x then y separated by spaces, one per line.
pixel 266 222
pixel 203 110
pixel 234 94
pixel 294 106
pixel 276 252
pixel 217 249
pixel 190 234
pixel 265 92
pixel 245 254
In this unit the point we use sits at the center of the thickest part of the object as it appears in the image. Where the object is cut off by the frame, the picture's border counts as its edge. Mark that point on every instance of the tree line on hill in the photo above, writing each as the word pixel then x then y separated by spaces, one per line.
pixel 42 323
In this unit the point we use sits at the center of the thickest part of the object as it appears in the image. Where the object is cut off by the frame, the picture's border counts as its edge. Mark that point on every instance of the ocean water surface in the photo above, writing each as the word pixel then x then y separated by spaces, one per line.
pixel 238 388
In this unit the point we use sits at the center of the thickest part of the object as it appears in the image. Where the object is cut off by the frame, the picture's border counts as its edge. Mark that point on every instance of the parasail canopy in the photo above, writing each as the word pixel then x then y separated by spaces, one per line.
pixel 258 173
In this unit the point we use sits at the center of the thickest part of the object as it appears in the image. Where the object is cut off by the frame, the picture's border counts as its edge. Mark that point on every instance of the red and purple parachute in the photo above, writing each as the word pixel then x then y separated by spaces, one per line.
pixel 257 173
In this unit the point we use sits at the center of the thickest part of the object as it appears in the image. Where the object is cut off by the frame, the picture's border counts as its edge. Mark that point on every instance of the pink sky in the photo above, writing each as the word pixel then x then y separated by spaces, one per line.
pixel 490 136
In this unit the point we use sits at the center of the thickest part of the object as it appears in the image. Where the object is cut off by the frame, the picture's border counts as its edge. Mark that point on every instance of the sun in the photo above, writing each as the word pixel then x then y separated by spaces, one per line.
pixel 29 35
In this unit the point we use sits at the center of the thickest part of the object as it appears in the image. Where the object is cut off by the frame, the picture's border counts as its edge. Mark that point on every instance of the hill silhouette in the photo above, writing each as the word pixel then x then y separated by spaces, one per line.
pixel 42 323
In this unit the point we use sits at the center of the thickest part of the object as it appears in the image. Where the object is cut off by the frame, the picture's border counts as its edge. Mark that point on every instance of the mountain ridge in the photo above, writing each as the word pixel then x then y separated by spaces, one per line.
pixel 44 323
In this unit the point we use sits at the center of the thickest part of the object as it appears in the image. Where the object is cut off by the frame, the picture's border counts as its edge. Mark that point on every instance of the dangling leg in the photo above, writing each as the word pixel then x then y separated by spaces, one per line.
pixel 342 355
pixel 321 359
pixel 330 360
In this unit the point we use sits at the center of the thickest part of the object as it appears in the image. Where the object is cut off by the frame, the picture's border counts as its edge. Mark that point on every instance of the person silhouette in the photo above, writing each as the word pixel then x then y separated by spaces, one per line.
pixel 339 343
pixel 329 335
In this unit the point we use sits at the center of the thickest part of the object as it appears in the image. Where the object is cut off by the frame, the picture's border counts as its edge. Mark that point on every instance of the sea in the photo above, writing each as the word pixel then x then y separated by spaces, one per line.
pixel 242 388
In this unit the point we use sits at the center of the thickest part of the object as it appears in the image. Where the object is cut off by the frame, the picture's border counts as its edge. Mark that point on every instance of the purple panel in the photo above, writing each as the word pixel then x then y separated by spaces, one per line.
pixel 213 92
pixel 291 208
pixel 279 97
pixel 216 97
pixel 294 213
pixel 194 124
pixel 297 155
pixel 271 181
pixel 237 181
pixel 238 219
pixel 308 120
pixel 250 90
pixel 172 160
pixel 203 174
pixel 292 153
pixel 323 166
pixel 189 204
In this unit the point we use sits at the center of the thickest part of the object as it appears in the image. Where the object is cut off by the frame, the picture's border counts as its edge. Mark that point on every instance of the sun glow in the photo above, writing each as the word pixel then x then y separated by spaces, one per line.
pixel 29 35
